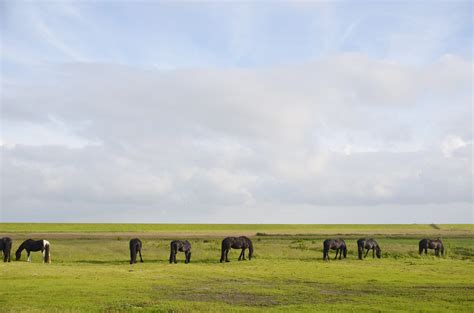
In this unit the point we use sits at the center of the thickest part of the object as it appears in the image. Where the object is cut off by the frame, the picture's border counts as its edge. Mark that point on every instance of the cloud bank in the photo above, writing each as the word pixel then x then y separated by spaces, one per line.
pixel 344 138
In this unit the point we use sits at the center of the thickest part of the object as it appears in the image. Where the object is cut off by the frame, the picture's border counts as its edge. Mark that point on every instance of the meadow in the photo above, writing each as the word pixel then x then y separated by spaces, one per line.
pixel 90 270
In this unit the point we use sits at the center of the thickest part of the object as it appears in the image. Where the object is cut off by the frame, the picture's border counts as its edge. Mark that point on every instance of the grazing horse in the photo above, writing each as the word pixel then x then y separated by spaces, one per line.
pixel 180 245
pixel 6 247
pixel 369 244
pixel 35 245
pixel 426 244
pixel 241 242
pixel 334 244
pixel 135 246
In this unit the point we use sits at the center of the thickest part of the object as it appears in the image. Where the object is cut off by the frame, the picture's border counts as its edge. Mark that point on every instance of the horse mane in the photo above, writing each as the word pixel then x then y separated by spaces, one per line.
pixel 22 246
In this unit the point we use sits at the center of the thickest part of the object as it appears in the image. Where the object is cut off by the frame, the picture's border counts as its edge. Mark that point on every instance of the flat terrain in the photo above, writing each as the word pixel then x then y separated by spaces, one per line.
pixel 90 270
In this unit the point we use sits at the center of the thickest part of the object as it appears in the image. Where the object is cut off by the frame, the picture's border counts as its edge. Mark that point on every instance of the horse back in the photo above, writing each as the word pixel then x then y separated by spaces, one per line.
pixel 135 243
pixel 5 243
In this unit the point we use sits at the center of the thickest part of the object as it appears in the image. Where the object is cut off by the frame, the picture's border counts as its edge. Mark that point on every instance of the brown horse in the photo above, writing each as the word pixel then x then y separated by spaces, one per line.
pixel 135 247
pixel 369 244
pixel 426 244
pixel 334 244
pixel 241 242
pixel 6 247
pixel 180 245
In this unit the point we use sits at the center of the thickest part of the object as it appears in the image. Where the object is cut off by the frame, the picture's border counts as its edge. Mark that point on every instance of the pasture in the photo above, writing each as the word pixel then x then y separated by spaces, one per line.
pixel 90 270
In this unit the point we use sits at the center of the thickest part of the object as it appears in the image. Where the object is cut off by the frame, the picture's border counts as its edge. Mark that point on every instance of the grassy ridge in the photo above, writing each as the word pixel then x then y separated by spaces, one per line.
pixel 254 228
pixel 91 274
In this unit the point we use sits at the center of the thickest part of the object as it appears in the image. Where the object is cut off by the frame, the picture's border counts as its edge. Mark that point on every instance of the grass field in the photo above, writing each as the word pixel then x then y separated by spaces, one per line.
pixel 90 270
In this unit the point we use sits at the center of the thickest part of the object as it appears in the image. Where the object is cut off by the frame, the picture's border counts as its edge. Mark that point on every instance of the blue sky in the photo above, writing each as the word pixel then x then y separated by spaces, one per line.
pixel 318 112
pixel 177 35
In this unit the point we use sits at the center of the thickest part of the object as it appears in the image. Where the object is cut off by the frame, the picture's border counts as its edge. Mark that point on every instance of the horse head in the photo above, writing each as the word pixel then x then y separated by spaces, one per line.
pixel 378 252
pixel 18 255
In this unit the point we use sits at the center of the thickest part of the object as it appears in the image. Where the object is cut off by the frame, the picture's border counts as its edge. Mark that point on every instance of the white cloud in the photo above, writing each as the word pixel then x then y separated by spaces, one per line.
pixel 344 132
pixel 451 144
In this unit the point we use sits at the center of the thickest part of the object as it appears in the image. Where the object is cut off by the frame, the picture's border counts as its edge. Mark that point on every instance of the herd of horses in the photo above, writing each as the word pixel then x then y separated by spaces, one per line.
pixel 243 243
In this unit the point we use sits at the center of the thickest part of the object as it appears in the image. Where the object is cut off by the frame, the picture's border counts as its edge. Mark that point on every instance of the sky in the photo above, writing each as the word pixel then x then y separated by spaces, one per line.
pixel 236 112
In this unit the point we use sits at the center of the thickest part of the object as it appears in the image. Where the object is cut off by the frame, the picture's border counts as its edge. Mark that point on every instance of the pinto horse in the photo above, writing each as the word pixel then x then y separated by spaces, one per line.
pixel 6 247
pixel 334 244
pixel 426 244
pixel 241 242
pixel 180 245
pixel 369 244
pixel 35 245
pixel 135 246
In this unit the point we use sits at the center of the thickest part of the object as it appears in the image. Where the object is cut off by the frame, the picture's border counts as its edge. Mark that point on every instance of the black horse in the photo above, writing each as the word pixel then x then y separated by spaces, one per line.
pixel 180 245
pixel 369 244
pixel 426 244
pixel 334 244
pixel 6 247
pixel 135 246
pixel 241 242
pixel 35 245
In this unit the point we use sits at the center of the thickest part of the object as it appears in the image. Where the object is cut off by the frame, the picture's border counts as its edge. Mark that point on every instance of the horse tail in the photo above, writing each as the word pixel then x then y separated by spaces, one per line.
pixel 223 249
pixel 325 249
pixel 133 251
pixel 360 248
pixel 47 258
pixel 172 244
pixel 344 249
pixel 7 248
pixel 442 249
pixel 250 248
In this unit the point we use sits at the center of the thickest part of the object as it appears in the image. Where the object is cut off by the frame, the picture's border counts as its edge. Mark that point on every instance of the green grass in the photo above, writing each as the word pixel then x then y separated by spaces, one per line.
pixel 90 271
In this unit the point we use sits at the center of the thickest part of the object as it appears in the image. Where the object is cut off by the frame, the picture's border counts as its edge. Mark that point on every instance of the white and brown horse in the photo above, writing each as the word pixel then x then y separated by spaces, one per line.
pixel 31 245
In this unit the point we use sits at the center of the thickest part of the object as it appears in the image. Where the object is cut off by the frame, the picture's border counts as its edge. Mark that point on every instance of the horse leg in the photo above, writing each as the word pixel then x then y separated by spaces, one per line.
pixel 243 254
pixel 227 255
pixel 29 256
pixel 340 253
pixel 366 252
pixel 140 252
pixel 337 251
pixel 373 253
pixel 222 255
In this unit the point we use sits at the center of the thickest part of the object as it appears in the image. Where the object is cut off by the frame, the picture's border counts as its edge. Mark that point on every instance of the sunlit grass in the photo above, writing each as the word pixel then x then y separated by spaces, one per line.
pixel 287 274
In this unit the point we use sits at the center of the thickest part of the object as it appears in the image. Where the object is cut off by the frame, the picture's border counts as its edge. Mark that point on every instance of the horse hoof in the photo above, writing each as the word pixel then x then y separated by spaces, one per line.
pixel 227 260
